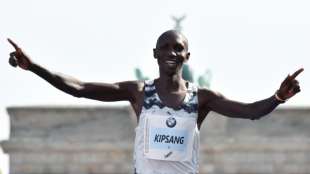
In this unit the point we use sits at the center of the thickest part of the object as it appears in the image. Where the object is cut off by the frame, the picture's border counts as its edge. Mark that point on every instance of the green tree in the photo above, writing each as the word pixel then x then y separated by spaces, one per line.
pixel 204 80
pixel 139 74
pixel 187 73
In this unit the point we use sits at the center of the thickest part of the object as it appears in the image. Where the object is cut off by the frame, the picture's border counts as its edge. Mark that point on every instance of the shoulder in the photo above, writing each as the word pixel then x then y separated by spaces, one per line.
pixel 133 89
pixel 133 86
pixel 206 96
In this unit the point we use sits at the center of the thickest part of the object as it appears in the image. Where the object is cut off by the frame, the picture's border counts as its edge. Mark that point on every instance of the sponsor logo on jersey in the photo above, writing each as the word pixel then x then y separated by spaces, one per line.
pixel 171 122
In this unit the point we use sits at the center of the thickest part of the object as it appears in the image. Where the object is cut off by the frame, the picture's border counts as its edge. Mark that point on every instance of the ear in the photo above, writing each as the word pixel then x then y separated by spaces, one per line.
pixel 155 53
pixel 187 56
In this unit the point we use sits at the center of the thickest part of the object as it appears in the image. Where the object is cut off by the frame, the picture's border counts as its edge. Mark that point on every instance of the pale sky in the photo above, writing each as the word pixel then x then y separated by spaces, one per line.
pixel 250 46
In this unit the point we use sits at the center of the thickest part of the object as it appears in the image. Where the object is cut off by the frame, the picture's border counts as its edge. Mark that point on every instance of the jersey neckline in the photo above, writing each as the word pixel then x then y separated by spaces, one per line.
pixel 184 100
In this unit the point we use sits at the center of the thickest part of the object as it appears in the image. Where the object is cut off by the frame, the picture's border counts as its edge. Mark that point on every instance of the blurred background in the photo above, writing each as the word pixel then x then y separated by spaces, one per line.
pixel 248 46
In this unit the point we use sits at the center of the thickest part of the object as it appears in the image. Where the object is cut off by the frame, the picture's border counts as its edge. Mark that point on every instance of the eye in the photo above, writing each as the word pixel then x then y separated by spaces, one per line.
pixel 178 48
pixel 164 47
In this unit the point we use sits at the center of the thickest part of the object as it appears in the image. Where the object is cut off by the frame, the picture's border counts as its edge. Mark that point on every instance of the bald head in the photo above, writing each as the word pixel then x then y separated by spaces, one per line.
pixel 171 52
pixel 172 35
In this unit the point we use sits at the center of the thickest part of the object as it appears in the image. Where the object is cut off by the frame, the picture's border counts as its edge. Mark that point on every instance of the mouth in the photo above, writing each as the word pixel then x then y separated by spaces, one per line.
pixel 171 62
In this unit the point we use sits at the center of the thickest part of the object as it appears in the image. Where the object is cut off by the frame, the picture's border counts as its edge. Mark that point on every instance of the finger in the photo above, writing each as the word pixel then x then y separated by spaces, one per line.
pixel 296 89
pixel 292 84
pixel 12 54
pixel 296 73
pixel 285 82
pixel 13 44
pixel 12 62
pixel 287 79
pixel 15 55
pixel 295 82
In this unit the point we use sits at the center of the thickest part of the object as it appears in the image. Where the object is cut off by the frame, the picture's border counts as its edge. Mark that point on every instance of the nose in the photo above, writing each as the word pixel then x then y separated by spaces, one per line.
pixel 172 53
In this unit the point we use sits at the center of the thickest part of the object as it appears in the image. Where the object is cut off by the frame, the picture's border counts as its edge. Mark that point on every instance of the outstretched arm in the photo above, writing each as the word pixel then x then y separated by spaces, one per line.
pixel 98 91
pixel 256 110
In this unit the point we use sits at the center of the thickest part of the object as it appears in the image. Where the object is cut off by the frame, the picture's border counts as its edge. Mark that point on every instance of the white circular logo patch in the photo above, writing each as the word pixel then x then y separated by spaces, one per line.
pixel 171 122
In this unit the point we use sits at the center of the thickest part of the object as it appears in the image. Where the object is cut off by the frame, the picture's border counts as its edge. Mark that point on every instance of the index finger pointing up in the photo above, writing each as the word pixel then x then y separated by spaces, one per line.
pixel 13 44
pixel 296 73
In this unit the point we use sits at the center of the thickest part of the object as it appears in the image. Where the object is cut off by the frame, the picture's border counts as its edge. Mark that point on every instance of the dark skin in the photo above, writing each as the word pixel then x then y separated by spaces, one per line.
pixel 171 53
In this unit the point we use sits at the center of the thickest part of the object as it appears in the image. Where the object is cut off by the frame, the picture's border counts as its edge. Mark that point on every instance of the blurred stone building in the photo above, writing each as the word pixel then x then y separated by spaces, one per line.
pixel 98 140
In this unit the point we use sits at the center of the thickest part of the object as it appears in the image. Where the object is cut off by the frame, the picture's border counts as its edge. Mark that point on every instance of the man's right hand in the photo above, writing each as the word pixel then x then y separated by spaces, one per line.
pixel 18 57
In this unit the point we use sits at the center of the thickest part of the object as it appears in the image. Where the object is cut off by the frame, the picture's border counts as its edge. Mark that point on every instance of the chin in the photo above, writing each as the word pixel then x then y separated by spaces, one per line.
pixel 171 71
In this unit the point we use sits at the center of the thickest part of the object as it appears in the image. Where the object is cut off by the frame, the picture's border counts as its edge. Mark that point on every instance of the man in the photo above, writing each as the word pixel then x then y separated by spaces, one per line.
pixel 169 109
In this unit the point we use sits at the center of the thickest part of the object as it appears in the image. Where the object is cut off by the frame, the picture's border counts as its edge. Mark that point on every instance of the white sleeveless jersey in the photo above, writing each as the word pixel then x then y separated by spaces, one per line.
pixel 167 139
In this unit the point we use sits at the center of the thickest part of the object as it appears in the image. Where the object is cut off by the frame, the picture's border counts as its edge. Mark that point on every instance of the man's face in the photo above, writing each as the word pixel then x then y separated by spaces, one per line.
pixel 171 52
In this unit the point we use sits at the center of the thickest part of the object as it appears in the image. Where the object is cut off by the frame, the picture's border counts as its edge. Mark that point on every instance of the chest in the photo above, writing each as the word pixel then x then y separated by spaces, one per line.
pixel 172 99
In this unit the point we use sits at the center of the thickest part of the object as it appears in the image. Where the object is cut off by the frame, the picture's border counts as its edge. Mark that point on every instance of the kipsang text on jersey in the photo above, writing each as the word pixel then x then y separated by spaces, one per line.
pixel 168 139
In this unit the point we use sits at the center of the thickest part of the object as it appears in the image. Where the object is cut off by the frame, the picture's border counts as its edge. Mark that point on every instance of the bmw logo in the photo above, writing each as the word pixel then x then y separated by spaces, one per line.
pixel 171 122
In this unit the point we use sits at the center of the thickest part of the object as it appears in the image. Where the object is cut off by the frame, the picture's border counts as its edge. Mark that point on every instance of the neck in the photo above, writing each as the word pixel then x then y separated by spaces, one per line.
pixel 173 82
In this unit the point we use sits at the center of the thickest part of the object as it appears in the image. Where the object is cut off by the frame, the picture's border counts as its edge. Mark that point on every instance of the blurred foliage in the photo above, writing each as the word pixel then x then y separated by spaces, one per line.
pixel 139 74
pixel 203 81
pixel 187 73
